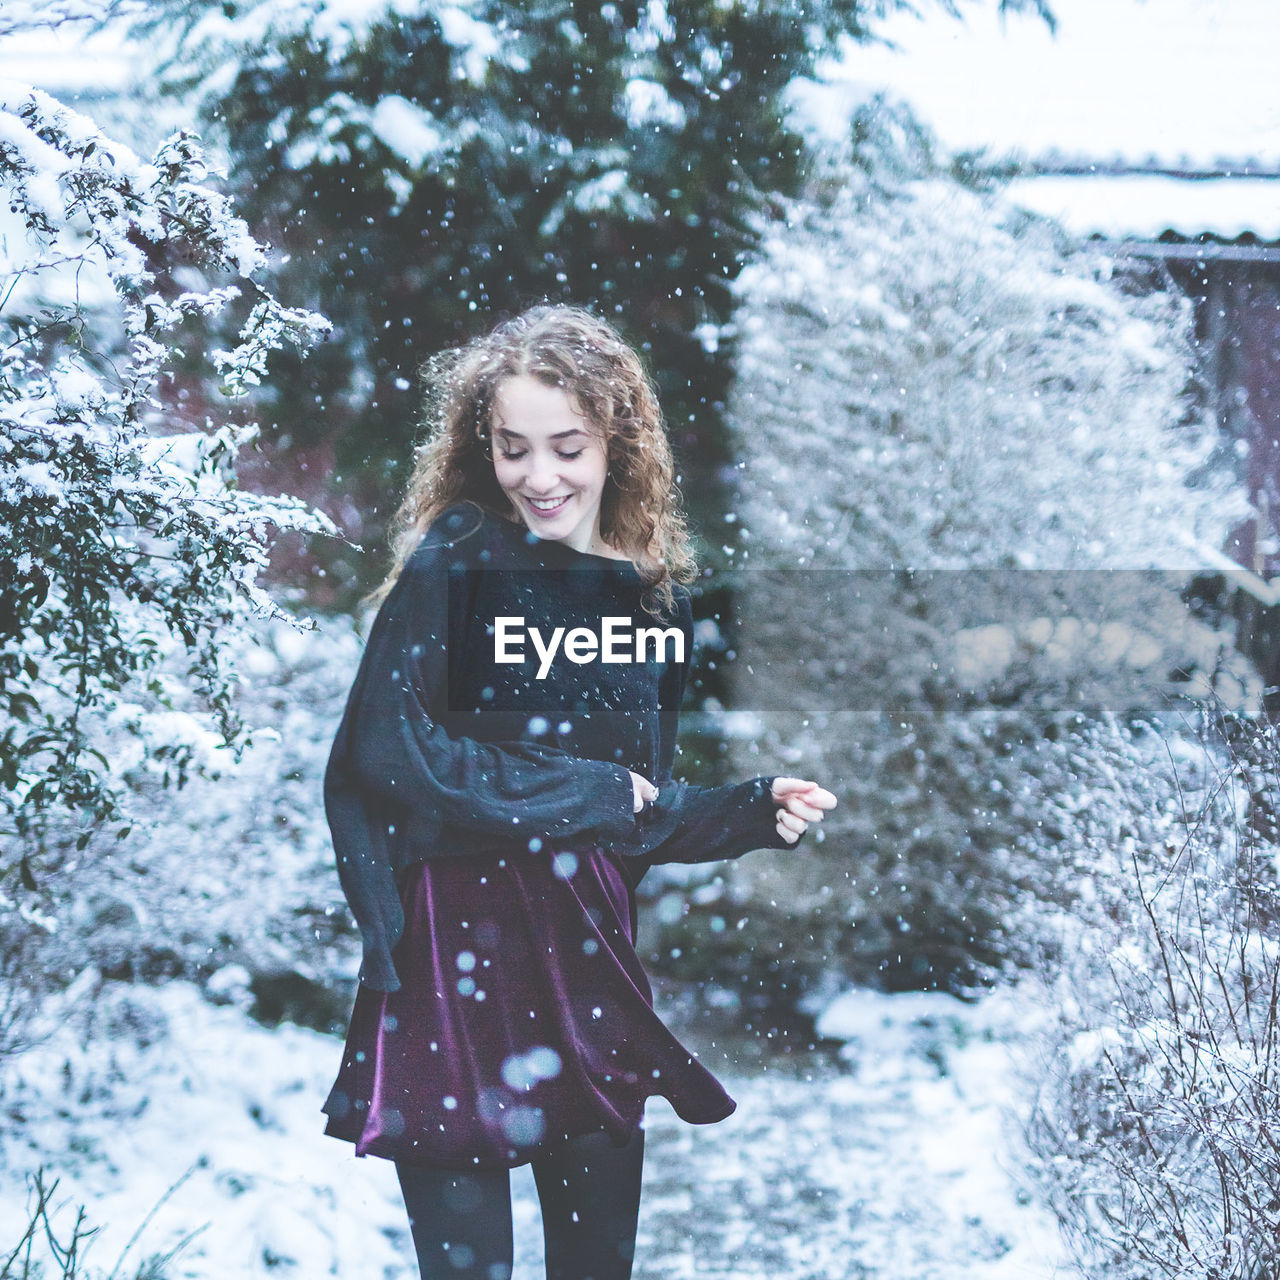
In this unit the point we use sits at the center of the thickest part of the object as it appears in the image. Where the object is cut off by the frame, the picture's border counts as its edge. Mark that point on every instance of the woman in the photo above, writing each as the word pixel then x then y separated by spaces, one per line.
pixel 499 783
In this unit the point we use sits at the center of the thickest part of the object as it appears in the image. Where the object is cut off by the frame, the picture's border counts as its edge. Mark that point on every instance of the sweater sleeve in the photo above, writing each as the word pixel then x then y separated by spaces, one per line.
pixel 689 823
pixel 391 745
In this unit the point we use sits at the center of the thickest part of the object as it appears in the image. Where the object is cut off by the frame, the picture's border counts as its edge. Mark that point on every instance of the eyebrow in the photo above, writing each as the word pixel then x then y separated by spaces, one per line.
pixel 559 435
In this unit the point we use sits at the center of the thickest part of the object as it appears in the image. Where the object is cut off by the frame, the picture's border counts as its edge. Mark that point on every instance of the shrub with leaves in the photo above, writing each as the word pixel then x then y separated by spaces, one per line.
pixel 128 555
pixel 122 525
pixel 231 883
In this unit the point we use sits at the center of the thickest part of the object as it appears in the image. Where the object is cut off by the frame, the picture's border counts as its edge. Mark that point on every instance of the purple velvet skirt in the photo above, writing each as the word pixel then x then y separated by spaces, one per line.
pixel 524 1017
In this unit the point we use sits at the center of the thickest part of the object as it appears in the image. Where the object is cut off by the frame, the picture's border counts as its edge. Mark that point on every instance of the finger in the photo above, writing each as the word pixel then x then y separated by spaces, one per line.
pixel 812 792
pixel 804 810
pixel 787 785
pixel 817 796
pixel 792 822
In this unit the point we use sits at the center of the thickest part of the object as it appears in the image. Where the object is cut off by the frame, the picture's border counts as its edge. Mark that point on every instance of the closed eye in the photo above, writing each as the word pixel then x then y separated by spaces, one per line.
pixel 566 457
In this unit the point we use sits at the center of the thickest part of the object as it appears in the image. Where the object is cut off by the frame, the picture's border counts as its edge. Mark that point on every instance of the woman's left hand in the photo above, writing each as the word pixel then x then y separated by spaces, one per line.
pixel 802 802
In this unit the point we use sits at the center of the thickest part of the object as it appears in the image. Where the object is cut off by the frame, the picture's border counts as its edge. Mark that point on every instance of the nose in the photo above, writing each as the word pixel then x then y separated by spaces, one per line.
pixel 542 476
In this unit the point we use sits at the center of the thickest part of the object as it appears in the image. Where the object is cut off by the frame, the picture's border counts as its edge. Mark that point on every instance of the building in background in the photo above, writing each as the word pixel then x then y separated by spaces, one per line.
pixel 1215 229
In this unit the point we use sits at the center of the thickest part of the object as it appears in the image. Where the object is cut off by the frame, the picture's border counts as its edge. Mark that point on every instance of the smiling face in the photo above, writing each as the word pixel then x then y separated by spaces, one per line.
pixel 550 462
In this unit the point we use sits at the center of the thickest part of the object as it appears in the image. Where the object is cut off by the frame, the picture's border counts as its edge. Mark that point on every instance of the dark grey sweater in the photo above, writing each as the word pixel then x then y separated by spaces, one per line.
pixel 443 752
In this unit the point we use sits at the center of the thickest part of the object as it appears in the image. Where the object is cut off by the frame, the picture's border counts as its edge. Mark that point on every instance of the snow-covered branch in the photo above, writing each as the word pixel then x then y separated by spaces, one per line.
pixel 30 15
pixel 126 541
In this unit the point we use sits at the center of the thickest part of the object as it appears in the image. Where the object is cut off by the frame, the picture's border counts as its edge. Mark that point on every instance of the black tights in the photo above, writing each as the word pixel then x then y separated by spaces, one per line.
pixel 589 1190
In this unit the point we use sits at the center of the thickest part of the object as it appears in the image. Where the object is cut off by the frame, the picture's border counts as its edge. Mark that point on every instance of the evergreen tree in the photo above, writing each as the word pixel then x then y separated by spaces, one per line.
pixel 426 168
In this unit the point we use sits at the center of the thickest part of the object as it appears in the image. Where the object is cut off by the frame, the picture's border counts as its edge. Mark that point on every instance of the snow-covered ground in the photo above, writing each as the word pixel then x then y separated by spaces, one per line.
pixel 895 1167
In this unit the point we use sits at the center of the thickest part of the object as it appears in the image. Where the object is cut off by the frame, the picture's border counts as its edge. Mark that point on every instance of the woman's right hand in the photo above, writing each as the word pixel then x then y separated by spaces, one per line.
pixel 642 791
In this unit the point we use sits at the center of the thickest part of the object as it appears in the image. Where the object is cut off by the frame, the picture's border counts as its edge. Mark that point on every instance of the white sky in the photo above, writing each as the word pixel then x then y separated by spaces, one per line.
pixel 1129 78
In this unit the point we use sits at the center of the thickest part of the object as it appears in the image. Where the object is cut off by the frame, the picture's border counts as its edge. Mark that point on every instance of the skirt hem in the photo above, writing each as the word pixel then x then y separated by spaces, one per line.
pixel 335 1129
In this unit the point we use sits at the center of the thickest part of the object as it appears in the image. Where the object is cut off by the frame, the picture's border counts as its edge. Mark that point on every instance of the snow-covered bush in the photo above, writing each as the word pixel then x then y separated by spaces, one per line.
pixel 128 556
pixel 1158 1118
pixel 231 883
pixel 927 378
pixel 944 413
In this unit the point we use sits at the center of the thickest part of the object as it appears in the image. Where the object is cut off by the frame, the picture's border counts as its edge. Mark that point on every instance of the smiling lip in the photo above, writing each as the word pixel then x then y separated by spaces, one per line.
pixel 548 511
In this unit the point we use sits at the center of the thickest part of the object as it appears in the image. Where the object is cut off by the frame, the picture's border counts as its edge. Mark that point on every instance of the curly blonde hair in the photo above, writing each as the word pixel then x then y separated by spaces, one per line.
pixel 567 347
